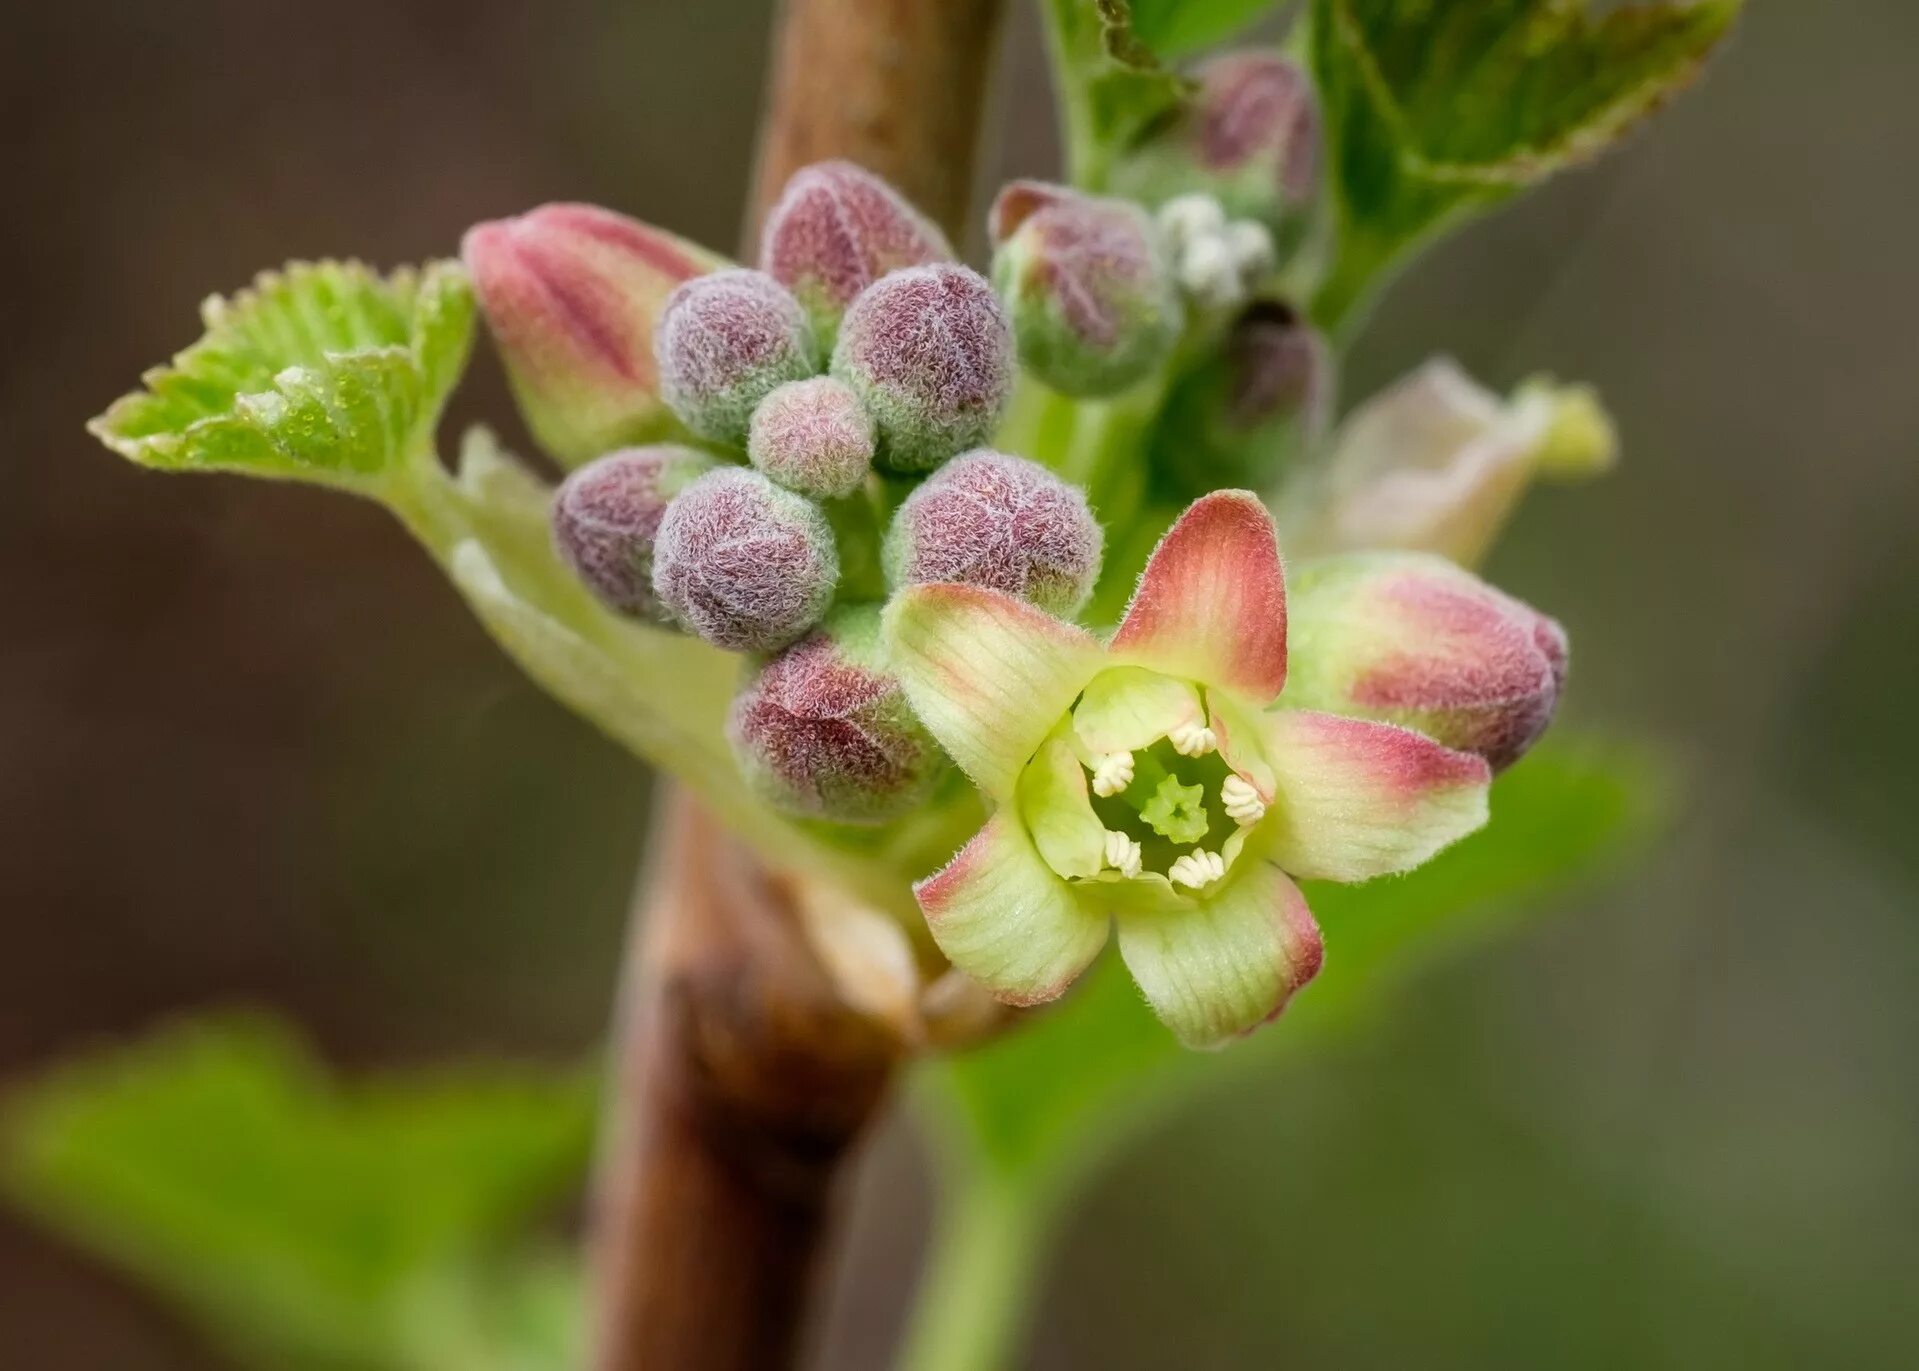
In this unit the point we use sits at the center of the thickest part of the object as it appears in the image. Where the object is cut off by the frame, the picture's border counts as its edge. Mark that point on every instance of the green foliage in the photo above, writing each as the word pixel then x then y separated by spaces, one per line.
pixel 324 371
pixel 304 1223
pixel 1111 83
pixel 1174 28
pixel 1440 109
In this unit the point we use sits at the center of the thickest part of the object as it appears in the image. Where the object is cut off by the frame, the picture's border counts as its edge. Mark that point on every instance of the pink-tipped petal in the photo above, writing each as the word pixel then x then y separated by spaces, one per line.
pixel 1358 799
pixel 1228 965
pixel 1211 605
pixel 1000 915
pixel 989 675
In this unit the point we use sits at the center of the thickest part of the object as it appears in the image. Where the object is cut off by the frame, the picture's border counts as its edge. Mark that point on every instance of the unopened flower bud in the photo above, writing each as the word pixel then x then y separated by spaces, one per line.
pixel 1242 417
pixel 572 294
pixel 928 352
pixel 606 517
pixel 813 437
pixel 1412 639
pixel 823 730
pixel 1251 138
pixel 725 342
pixel 745 565
pixel 837 229
pixel 1086 284
pixel 988 519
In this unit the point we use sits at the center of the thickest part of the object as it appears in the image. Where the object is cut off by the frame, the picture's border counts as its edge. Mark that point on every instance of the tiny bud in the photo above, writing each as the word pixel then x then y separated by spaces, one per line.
pixel 1188 218
pixel 824 730
pixel 1087 287
pixel 813 437
pixel 572 294
pixel 1580 441
pixel 928 352
pixel 607 515
pixel 1240 419
pixel 745 565
pixel 987 519
pixel 1412 639
pixel 725 342
pixel 837 229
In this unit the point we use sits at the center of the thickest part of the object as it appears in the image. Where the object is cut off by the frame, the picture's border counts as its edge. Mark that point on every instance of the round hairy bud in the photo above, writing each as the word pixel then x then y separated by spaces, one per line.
pixel 1087 286
pixel 606 517
pixel 928 352
pixel 987 519
pixel 1244 416
pixel 725 342
pixel 813 437
pixel 745 565
pixel 1410 638
pixel 823 730
pixel 835 230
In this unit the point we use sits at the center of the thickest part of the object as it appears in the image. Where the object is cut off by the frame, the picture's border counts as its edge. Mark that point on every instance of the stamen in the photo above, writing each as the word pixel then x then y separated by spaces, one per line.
pixel 1197 869
pixel 1241 802
pixel 1193 740
pixel 1122 854
pixel 1113 773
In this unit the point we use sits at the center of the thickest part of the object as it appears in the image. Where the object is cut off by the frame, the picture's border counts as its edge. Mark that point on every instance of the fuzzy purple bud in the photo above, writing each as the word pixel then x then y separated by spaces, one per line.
pixel 572 294
pixel 1241 418
pixel 987 519
pixel 1086 284
pixel 823 730
pixel 813 437
pixel 607 515
pixel 837 229
pixel 928 352
pixel 725 342
pixel 1410 638
pixel 745 565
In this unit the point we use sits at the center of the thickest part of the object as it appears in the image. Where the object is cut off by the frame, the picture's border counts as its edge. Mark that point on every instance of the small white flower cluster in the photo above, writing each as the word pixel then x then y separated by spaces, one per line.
pixel 1217 261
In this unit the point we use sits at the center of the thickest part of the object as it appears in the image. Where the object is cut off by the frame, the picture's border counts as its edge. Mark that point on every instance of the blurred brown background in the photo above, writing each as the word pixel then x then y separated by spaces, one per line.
pixel 251 748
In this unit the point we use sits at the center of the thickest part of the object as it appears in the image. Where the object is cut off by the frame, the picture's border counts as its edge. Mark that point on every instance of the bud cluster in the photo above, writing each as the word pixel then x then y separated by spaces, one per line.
pixel 1218 262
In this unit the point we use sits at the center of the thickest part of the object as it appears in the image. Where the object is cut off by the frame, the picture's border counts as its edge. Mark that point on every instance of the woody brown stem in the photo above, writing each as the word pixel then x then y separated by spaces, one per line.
pixel 742 1080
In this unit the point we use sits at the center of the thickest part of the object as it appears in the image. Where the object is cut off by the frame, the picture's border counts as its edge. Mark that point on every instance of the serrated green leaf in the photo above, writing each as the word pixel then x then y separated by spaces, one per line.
pixel 303 1222
pixel 1174 28
pixel 1112 85
pixel 1440 108
pixel 324 371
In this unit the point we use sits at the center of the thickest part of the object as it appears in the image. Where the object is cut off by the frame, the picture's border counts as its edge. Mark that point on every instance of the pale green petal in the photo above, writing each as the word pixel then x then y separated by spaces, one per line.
pixel 1054 804
pixel 1128 707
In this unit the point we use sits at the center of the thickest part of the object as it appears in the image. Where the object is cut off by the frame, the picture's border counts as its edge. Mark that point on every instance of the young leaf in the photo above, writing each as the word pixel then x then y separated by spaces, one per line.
pixel 1174 28
pixel 1439 109
pixel 324 371
pixel 303 1222
pixel 1111 83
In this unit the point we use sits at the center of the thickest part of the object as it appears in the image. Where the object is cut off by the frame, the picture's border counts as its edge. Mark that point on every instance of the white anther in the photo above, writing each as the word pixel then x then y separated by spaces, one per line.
pixel 1193 740
pixel 1197 869
pixel 1252 250
pixel 1241 802
pixel 1122 853
pixel 1208 272
pixel 1113 773
pixel 1186 217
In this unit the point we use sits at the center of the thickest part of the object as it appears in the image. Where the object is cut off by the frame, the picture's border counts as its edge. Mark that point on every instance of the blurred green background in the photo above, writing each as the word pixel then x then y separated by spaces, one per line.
pixel 252 750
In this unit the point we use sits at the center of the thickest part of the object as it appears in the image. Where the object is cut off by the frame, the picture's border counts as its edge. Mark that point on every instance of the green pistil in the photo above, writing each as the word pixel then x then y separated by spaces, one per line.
pixel 1175 812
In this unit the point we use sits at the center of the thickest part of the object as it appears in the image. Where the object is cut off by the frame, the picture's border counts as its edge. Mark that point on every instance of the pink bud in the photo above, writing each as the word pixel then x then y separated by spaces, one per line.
pixel 835 230
pixel 607 514
pixel 745 565
pixel 725 342
pixel 928 352
pixel 813 437
pixel 1412 639
pixel 824 729
pixel 987 519
pixel 572 294
pixel 1090 293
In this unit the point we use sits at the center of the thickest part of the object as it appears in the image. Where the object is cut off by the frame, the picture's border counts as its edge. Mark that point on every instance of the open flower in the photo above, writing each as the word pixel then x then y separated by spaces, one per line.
pixel 1149 782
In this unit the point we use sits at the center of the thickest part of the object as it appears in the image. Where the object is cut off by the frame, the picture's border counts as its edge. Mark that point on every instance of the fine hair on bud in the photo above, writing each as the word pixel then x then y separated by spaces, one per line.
pixel 1087 285
pixel 835 230
pixel 929 354
pixel 606 519
pixel 989 519
pixel 725 342
pixel 813 437
pixel 744 564
pixel 823 729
